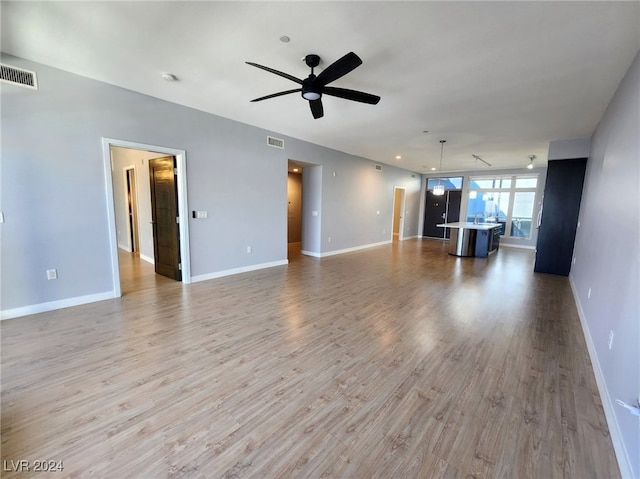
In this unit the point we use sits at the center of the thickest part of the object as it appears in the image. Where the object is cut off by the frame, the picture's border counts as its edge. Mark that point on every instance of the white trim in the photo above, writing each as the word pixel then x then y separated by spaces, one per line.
pixel 147 259
pixel 244 269
pixel 183 208
pixel 52 305
pixel 311 253
pixel 124 247
pixel 347 250
pixel 624 461
pixel 521 246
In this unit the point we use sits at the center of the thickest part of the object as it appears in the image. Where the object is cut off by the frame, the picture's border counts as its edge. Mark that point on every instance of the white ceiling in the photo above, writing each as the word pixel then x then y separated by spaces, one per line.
pixel 495 79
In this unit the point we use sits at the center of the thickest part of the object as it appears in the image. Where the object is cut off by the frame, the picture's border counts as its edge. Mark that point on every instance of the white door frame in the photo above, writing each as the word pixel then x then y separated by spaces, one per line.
pixel 183 209
pixel 402 210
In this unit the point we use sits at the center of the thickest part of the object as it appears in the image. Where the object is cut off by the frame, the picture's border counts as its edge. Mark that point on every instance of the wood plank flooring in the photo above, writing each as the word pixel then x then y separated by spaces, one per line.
pixel 398 361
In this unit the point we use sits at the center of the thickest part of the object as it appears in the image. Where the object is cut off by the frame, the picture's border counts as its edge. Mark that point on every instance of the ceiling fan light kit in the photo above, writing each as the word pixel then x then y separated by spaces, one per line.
pixel 313 87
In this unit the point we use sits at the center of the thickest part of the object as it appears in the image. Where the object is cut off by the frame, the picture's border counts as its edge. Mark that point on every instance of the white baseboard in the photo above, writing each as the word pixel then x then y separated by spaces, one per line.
pixel 624 461
pixel 346 250
pixel 52 305
pixel 512 245
pixel 147 259
pixel 124 247
pixel 244 269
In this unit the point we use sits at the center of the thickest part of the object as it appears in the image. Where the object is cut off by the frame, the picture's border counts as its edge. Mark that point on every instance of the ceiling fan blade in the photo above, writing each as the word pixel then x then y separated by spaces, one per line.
pixel 338 69
pixel 352 95
pixel 276 72
pixel 316 108
pixel 274 95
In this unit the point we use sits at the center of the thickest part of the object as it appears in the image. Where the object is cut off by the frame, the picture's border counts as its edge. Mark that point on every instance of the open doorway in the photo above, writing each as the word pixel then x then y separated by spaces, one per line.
pixel 131 192
pixel 129 178
pixel 398 213
pixel 294 210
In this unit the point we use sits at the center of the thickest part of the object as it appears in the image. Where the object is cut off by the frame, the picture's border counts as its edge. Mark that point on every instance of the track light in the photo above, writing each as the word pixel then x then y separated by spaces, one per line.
pixel 530 165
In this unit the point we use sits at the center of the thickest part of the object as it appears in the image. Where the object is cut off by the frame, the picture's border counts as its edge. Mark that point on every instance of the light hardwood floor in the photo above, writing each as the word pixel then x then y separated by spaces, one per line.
pixel 398 361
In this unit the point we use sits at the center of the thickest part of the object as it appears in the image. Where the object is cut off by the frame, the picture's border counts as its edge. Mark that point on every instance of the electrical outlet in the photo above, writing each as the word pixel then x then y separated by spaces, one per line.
pixel 329 239
pixel 52 274
pixel 610 343
pixel 589 294
pixel 249 250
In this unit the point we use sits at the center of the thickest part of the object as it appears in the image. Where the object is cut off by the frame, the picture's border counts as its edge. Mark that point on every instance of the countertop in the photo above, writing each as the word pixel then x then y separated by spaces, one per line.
pixel 470 226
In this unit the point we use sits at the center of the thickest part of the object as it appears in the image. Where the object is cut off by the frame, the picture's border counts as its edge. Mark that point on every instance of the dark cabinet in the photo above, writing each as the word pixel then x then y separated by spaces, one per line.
pixel 487 241
pixel 559 221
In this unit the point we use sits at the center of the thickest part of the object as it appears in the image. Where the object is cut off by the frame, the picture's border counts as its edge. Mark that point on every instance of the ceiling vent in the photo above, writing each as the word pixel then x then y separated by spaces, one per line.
pixel 379 167
pixel 275 142
pixel 18 76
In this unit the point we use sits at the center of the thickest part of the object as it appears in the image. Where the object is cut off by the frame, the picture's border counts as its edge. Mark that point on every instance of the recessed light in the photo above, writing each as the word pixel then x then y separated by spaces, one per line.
pixel 285 39
pixel 295 170
pixel 398 157
pixel 170 77
pixel 433 168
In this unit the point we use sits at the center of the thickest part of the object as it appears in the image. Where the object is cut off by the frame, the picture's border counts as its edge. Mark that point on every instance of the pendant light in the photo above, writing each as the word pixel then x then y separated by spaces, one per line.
pixel 438 190
pixel 531 158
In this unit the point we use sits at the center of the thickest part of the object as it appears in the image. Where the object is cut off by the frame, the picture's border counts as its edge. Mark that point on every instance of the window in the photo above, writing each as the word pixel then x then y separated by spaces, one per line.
pixel 454 183
pixel 508 200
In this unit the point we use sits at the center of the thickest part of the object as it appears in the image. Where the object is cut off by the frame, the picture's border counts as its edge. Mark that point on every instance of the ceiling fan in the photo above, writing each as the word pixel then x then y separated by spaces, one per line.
pixel 313 87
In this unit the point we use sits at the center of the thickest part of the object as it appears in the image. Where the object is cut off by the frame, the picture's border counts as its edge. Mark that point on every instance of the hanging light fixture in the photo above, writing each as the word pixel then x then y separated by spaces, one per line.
pixel 438 190
pixel 531 158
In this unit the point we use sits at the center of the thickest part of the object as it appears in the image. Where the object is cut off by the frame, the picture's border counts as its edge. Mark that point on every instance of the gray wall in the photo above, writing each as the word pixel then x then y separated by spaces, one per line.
pixel 55 201
pixel 607 252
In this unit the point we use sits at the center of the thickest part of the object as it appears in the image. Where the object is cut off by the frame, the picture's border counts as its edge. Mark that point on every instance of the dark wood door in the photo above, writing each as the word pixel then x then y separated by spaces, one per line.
pixel 164 216
pixel 441 209
pixel 454 200
pixel 434 214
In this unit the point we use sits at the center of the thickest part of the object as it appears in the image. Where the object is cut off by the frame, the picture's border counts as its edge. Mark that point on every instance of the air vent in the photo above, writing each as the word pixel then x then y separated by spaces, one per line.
pixel 18 76
pixel 379 167
pixel 275 142
pixel 412 175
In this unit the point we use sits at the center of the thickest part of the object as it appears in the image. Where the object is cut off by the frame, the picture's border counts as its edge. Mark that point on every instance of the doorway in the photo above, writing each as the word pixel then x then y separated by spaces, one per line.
pixel 145 237
pixel 397 228
pixel 132 208
pixel 294 209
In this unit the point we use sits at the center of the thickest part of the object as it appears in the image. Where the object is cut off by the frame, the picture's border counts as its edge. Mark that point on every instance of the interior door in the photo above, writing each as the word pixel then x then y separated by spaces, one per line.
pixel 454 200
pixel 434 214
pixel 441 209
pixel 164 217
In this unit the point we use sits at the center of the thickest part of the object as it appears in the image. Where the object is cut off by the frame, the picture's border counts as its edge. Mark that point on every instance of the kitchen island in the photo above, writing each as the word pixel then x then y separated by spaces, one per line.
pixel 473 239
